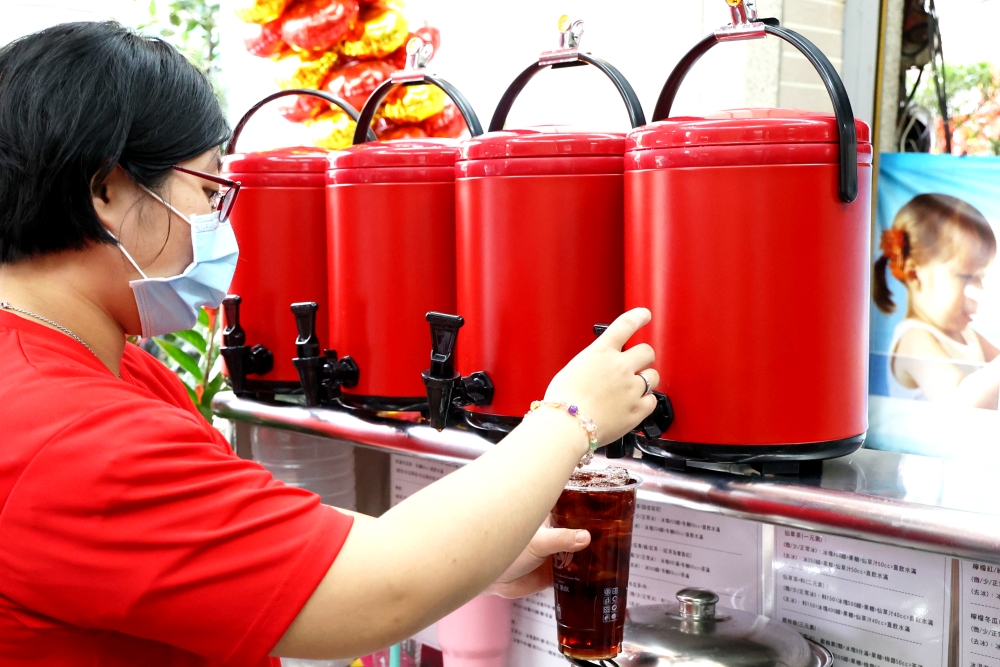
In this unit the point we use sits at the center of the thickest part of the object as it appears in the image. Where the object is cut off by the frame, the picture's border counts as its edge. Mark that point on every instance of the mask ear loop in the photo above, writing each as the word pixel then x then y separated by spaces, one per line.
pixel 164 202
pixel 122 247
pixel 128 256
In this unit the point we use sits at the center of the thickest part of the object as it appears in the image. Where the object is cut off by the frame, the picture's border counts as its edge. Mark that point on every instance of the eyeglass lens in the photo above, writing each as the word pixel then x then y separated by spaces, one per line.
pixel 226 205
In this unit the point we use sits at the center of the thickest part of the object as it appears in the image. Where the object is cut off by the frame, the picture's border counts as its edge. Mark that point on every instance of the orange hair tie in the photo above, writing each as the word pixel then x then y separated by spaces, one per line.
pixel 894 245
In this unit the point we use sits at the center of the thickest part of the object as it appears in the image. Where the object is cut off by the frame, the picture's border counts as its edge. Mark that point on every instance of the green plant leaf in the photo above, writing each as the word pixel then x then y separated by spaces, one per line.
pixel 206 412
pixel 203 317
pixel 185 360
pixel 191 394
pixel 213 388
pixel 194 338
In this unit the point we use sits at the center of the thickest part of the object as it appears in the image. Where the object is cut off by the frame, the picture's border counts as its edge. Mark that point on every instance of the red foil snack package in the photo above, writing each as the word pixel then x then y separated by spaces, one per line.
pixel 318 25
pixel 302 108
pixel 448 124
pixel 267 42
pixel 402 132
pixel 356 81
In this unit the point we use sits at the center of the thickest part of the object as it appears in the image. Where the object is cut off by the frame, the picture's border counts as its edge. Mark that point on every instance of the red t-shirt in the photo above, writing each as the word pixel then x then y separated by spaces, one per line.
pixel 130 534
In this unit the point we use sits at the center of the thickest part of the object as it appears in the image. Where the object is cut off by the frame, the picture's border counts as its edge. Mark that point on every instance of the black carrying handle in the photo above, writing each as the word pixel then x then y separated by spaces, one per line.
pixel 846 131
pixel 635 114
pixel 332 99
pixel 363 132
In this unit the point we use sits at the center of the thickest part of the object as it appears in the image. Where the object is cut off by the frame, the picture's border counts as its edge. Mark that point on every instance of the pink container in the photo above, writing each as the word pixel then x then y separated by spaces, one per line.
pixel 477 634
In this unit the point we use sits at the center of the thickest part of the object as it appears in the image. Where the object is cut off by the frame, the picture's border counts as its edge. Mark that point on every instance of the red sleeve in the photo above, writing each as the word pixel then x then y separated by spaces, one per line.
pixel 130 520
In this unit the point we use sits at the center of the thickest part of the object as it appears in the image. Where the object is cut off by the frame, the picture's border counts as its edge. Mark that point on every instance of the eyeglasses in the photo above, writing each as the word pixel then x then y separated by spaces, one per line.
pixel 222 200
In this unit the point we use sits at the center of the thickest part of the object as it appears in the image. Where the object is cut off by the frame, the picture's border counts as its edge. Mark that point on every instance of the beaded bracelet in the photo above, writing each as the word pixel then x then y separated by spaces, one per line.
pixel 588 424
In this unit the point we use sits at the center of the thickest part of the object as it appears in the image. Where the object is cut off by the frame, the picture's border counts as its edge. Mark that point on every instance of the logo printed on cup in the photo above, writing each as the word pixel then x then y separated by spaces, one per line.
pixel 562 560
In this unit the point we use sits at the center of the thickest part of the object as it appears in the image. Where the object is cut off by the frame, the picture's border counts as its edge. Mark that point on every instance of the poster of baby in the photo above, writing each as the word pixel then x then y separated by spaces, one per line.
pixel 934 371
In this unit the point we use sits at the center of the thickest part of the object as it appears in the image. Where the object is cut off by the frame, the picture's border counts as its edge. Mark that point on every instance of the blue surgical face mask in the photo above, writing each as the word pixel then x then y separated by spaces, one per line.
pixel 171 304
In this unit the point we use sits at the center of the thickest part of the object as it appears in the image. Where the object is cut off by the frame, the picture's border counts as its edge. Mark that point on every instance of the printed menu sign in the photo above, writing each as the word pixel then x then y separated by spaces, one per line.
pixel 675 548
pixel 980 609
pixel 672 548
pixel 408 474
pixel 533 633
pixel 871 605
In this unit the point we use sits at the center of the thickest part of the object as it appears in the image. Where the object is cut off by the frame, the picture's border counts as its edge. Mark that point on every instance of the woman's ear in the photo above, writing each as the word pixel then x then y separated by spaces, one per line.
pixel 113 198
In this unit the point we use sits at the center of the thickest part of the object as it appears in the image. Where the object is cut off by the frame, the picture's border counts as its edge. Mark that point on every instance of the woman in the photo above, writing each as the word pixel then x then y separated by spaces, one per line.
pixel 129 532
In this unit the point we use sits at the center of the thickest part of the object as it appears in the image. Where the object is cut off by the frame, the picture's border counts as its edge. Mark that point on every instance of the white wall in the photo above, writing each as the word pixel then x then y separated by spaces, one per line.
pixel 485 44
pixel 860 55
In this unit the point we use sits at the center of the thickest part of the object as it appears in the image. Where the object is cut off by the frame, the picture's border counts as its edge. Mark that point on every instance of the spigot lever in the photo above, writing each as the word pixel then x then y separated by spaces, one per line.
pixel 233 335
pixel 657 423
pixel 240 359
pixel 307 344
pixel 447 389
pixel 321 375
pixel 444 335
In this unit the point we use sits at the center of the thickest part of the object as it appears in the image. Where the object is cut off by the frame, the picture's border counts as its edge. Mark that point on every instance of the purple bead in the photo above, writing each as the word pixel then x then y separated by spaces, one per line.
pixel 573 410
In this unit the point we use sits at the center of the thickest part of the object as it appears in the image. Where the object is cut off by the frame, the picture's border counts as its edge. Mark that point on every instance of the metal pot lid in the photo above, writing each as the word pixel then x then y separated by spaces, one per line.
pixel 691 633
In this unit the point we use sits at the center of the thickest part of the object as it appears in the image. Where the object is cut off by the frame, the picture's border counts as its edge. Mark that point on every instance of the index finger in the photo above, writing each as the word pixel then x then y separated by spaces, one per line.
pixel 625 326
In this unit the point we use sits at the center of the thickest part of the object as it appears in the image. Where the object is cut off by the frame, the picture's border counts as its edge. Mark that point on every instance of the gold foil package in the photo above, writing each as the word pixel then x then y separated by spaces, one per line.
pixel 378 33
pixel 300 73
pixel 416 104
pixel 333 130
pixel 260 11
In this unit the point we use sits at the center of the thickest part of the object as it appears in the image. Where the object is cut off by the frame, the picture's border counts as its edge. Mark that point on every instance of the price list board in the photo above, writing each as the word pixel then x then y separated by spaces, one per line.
pixel 672 548
pixel 979 601
pixel 408 474
pixel 675 548
pixel 871 605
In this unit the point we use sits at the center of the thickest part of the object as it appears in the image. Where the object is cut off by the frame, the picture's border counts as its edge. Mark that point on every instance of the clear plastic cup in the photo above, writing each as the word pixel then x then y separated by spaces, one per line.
pixel 591 585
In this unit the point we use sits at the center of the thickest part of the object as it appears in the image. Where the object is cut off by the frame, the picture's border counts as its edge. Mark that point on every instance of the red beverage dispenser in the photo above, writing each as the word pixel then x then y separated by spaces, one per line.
pixel 747 235
pixel 539 250
pixel 281 226
pixel 391 225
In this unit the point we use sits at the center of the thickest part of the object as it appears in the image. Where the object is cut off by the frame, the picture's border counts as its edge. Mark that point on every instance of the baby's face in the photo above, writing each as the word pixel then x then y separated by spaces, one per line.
pixel 939 291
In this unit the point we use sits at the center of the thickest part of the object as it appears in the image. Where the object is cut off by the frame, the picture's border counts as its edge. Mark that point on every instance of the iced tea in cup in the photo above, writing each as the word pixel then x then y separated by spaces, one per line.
pixel 591 585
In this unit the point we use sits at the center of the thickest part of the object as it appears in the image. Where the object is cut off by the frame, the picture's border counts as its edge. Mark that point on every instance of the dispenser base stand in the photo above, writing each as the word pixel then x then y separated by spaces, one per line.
pixel 786 459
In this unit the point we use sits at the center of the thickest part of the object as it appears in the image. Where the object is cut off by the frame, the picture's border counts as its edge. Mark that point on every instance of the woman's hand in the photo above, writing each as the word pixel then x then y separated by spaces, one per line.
pixel 603 382
pixel 532 571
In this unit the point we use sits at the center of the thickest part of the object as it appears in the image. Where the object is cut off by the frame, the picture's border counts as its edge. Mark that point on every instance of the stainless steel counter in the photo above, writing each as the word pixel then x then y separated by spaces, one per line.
pixel 935 505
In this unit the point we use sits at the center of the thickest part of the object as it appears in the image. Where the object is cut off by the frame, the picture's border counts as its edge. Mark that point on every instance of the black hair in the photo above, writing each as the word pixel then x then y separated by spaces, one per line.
pixel 76 100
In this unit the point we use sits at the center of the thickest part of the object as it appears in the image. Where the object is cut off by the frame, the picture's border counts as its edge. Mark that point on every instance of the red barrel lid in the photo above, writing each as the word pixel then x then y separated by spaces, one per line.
pixel 543 141
pixel 399 153
pixel 279 160
pixel 742 126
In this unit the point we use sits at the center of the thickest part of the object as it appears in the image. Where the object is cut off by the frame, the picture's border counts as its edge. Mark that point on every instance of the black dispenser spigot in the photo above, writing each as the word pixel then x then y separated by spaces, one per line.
pixel 241 359
pixel 446 388
pixel 652 427
pixel 321 375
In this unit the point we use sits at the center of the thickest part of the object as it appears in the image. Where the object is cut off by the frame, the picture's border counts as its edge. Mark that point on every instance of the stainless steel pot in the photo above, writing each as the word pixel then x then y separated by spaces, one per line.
pixel 692 634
